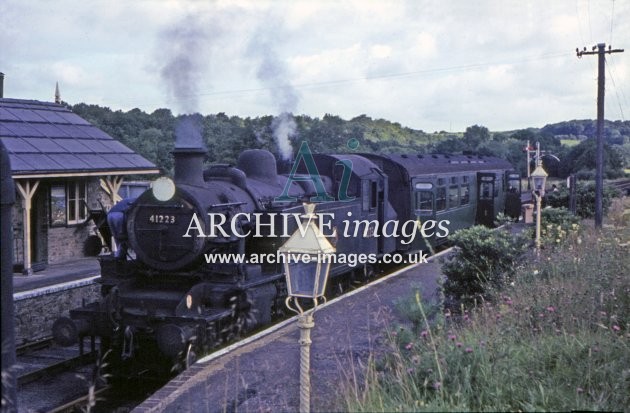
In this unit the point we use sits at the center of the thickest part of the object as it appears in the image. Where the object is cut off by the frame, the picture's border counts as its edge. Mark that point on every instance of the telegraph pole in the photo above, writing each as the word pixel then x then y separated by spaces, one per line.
pixel 600 51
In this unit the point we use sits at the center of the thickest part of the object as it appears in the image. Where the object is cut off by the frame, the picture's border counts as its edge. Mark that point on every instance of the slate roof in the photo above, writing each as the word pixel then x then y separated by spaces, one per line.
pixel 45 138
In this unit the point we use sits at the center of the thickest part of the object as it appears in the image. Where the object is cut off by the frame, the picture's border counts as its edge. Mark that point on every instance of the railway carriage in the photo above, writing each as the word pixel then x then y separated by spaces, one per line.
pixel 462 189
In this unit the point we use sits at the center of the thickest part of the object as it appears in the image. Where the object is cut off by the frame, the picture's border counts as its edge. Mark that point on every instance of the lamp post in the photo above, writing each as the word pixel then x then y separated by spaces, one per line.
pixel 539 176
pixel 306 266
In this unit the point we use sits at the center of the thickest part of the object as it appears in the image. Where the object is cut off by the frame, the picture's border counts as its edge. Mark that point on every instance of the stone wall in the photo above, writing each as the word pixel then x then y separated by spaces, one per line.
pixel 36 313
pixel 66 243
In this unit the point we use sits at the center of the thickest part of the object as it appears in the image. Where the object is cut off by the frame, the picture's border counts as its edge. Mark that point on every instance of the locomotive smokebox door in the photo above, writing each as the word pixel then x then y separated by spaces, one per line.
pixel 485 204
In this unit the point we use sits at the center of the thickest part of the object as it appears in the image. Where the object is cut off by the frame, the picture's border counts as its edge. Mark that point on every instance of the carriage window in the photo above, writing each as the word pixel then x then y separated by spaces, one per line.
pixel 454 180
pixel 440 181
pixel 453 197
pixel 440 199
pixel 498 185
pixel 465 179
pixel 424 201
pixel 365 195
pixel 514 183
pixel 465 194
pixel 486 190
pixel 374 194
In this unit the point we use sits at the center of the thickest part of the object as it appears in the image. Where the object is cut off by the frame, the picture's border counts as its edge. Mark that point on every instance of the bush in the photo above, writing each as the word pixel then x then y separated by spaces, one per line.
pixel 557 225
pixel 484 260
pixel 585 194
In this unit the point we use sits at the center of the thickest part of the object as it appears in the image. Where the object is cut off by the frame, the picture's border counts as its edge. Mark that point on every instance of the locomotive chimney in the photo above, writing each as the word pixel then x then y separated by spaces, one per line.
pixel 1 85
pixel 189 152
pixel 189 165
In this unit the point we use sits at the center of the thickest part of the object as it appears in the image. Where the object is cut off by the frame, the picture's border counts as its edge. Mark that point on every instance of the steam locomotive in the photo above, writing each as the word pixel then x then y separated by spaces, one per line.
pixel 173 301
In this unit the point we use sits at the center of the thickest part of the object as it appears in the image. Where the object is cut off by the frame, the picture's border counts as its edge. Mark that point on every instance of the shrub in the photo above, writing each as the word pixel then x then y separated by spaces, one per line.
pixel 585 193
pixel 484 260
pixel 557 225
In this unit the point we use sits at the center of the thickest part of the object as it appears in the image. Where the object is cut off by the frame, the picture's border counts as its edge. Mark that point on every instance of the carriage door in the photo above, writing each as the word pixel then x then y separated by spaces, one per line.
pixel 485 202
pixel 513 195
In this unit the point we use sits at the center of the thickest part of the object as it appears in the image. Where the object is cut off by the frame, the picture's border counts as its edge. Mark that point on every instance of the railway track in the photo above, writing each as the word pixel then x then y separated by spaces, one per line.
pixel 622 185
pixel 42 359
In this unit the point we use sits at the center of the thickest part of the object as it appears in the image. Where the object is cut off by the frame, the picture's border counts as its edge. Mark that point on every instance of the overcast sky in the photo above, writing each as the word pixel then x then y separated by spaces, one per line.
pixel 431 65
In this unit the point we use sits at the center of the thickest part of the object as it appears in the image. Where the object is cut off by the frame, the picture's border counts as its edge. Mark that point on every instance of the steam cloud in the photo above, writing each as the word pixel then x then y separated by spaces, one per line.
pixel 274 74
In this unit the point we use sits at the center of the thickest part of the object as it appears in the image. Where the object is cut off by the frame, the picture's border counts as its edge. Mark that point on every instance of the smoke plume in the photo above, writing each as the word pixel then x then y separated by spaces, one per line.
pixel 184 52
pixel 273 72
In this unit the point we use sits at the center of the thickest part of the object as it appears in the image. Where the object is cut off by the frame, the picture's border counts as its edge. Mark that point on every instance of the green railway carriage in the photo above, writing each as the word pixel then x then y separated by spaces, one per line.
pixel 445 193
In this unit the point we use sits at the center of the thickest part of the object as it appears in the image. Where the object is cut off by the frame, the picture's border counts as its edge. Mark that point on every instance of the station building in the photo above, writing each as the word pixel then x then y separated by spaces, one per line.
pixel 62 167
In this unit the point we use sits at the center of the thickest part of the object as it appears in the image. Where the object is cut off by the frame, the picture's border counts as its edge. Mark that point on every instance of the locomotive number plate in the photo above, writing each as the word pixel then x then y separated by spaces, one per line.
pixel 162 219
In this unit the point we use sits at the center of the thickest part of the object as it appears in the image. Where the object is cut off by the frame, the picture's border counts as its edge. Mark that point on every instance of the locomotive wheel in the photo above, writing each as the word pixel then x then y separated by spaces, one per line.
pixel 368 272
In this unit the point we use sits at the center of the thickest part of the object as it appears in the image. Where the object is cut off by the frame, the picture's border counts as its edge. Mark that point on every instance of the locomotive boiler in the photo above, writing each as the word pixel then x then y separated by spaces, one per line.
pixel 193 282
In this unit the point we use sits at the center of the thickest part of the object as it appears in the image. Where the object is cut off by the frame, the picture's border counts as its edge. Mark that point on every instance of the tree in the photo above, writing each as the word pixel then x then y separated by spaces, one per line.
pixel 475 135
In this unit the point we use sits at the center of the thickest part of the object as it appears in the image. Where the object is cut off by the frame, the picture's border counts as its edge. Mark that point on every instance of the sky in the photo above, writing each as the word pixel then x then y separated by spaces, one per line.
pixel 426 64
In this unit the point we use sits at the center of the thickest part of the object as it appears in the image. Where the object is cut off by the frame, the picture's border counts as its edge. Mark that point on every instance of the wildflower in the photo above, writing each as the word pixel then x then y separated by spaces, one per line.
pixel 482 343
pixel 410 370
pixel 437 385
pixel 452 337
pixel 424 334
pixel 551 309
pixel 468 350
pixel 415 359
pixel 580 390
pixel 409 346
pixel 616 327
pixel 535 272
pixel 458 344
pixel 579 240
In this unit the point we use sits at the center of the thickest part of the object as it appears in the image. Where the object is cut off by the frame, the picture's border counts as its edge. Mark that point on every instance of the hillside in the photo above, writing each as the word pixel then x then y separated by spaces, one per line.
pixel 153 136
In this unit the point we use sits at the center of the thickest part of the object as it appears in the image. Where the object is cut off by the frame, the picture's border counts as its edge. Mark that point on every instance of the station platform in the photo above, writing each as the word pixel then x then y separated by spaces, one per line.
pixel 261 373
pixel 83 268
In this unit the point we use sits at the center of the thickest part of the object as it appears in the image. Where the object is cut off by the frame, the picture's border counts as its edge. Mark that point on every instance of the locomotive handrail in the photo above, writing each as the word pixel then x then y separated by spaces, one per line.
pixel 226 205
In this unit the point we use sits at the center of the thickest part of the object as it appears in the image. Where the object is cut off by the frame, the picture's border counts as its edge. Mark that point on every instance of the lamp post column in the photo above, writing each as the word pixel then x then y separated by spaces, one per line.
pixel 305 324
pixel 538 219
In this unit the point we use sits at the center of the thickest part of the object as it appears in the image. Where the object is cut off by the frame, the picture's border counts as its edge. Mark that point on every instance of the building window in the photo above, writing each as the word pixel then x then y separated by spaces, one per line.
pixel 57 205
pixel 68 203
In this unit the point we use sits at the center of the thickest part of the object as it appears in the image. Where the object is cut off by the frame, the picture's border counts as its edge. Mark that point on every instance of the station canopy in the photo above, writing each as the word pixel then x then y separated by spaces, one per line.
pixel 46 139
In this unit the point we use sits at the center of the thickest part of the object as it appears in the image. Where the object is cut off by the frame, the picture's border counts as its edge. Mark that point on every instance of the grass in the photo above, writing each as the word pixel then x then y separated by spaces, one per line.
pixel 570 142
pixel 556 339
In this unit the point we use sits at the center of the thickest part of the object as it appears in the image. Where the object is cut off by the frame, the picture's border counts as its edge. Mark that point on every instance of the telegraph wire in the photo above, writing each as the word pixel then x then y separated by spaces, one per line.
pixel 386 76
pixel 612 15
pixel 612 78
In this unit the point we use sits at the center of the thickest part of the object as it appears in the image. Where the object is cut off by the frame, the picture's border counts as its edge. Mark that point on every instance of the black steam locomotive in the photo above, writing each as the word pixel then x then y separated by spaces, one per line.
pixel 174 300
